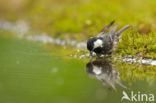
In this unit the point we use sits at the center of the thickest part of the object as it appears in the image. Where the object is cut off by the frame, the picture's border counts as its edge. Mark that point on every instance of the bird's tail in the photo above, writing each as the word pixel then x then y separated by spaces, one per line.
pixel 122 30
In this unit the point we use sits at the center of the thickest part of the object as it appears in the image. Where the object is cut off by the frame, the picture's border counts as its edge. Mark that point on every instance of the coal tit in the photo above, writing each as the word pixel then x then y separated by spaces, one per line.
pixel 105 43
pixel 106 72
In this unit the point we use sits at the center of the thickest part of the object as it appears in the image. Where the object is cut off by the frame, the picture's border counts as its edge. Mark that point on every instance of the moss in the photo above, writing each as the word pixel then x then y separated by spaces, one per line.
pixel 138 45
pixel 84 18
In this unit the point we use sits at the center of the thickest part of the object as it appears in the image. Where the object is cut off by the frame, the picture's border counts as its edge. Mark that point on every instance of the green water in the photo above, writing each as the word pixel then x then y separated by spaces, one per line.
pixel 31 73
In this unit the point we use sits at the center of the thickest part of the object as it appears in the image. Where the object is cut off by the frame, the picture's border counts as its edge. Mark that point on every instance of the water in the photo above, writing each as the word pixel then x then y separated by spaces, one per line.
pixel 31 72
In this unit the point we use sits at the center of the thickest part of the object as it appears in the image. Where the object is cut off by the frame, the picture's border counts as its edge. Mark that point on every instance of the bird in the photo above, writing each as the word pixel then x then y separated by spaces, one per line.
pixel 105 43
pixel 106 72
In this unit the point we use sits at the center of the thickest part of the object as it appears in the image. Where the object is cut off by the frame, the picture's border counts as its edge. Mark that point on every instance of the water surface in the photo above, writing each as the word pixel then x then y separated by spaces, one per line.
pixel 30 72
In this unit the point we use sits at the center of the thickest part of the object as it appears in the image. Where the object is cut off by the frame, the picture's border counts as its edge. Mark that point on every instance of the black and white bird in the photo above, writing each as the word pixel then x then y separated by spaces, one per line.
pixel 105 43
pixel 106 72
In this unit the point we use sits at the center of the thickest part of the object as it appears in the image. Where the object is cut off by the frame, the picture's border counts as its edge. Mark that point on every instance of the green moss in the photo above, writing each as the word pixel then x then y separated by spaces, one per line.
pixel 84 18
pixel 138 45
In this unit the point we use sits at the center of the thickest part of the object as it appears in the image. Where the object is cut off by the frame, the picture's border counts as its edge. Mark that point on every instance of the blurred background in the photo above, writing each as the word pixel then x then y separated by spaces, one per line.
pixel 43 55
pixel 83 17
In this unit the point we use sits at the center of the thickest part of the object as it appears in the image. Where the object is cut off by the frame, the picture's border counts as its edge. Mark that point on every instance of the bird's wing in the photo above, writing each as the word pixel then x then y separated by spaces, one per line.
pixel 114 29
pixel 106 28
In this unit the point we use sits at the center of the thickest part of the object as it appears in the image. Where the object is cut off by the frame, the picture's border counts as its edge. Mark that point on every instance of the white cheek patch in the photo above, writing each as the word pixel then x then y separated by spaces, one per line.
pixel 98 43
pixel 97 70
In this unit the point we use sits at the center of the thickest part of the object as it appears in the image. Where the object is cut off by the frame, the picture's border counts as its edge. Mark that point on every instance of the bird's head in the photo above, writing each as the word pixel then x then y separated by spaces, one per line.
pixel 90 43
pixel 94 43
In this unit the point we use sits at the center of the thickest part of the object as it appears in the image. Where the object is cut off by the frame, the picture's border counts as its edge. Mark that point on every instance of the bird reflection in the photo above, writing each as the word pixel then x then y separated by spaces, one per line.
pixel 105 72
